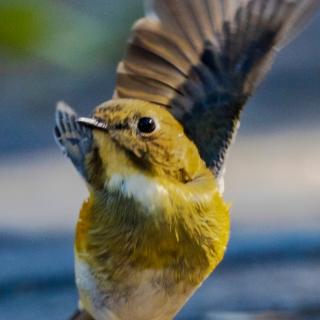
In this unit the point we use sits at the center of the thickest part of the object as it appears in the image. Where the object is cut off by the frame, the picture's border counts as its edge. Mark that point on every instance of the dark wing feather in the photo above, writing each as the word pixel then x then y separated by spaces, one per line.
pixel 203 58
pixel 81 315
pixel 74 139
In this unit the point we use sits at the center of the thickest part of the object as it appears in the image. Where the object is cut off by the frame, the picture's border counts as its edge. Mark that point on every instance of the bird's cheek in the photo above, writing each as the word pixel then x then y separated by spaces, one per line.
pixel 113 155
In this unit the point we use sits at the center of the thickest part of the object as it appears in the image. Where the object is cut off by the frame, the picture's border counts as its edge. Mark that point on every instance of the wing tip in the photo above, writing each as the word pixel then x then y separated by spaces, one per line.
pixel 64 108
pixel 64 123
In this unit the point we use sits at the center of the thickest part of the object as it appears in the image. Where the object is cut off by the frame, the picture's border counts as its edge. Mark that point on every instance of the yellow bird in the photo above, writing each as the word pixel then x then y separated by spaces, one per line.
pixel 155 224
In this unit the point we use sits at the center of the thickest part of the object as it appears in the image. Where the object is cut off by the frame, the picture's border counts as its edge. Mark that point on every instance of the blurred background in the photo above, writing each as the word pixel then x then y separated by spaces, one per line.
pixel 54 50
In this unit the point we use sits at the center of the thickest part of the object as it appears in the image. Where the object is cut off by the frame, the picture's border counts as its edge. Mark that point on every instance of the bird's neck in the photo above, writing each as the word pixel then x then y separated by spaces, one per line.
pixel 155 224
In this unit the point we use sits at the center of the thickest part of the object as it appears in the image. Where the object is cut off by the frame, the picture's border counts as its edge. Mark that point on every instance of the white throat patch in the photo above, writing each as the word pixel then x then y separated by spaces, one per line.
pixel 148 192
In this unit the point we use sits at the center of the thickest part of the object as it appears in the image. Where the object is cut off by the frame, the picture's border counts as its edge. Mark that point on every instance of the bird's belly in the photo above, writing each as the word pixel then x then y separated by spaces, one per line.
pixel 146 295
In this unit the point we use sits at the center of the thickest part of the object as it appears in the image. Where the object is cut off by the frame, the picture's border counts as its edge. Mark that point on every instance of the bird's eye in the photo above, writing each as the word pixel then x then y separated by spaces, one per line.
pixel 146 125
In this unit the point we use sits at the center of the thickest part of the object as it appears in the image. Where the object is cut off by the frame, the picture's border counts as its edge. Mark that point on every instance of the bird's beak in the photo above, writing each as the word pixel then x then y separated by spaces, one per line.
pixel 93 123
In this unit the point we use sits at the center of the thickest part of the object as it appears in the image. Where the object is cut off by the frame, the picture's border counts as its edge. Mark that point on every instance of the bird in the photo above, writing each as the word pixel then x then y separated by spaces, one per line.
pixel 155 224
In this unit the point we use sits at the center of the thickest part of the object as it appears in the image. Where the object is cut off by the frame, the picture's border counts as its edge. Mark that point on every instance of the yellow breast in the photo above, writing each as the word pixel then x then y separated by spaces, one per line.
pixel 143 234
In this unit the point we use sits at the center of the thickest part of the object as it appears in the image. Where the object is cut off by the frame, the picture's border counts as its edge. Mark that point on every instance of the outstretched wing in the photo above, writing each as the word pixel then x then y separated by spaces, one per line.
pixel 202 59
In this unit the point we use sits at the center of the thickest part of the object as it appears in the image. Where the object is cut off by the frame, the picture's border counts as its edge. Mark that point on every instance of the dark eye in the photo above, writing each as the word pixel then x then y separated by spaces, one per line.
pixel 146 125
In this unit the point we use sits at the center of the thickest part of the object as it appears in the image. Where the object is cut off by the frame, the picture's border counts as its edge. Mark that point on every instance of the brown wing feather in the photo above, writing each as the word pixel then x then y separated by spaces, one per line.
pixel 203 58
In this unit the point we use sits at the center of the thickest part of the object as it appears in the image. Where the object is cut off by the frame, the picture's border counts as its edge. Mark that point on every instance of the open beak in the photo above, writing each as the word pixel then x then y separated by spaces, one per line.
pixel 93 123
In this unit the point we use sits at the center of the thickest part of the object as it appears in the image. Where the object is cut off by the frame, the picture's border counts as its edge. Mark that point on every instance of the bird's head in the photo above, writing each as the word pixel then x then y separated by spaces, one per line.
pixel 136 136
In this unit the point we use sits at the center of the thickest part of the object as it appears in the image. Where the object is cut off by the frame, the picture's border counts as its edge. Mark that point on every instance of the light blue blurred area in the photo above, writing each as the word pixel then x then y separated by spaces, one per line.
pixel 68 50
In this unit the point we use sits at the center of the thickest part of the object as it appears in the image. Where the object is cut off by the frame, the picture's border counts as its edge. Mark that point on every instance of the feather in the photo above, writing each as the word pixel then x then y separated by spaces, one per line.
pixel 74 139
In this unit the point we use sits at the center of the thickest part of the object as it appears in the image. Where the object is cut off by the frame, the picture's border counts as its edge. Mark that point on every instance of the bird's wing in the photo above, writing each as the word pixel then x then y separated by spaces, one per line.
pixel 202 59
pixel 74 139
